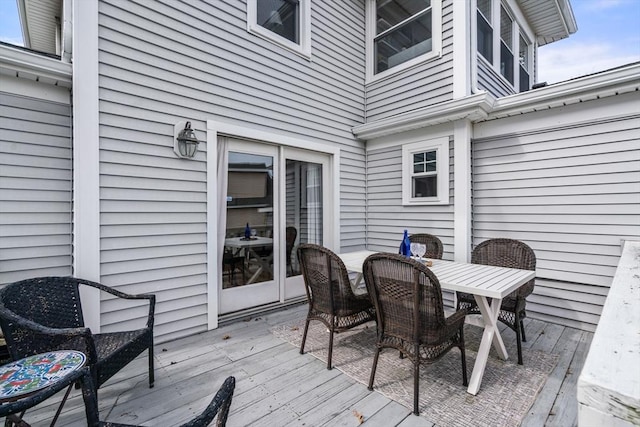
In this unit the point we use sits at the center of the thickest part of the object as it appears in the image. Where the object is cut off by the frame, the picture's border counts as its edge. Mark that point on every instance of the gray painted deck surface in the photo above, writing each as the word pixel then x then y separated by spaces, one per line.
pixel 276 386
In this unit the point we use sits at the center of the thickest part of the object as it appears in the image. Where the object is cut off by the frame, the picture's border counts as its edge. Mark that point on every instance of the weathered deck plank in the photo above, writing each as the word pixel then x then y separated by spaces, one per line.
pixel 278 386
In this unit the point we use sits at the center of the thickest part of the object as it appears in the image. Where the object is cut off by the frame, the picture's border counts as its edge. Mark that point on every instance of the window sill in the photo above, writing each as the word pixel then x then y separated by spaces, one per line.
pixel 302 51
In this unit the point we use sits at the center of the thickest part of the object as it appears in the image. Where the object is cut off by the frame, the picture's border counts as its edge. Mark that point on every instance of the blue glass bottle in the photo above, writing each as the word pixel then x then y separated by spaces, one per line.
pixel 247 232
pixel 406 244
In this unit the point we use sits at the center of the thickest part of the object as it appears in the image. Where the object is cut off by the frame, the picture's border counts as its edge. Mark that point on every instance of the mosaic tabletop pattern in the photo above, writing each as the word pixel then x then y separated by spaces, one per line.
pixel 36 372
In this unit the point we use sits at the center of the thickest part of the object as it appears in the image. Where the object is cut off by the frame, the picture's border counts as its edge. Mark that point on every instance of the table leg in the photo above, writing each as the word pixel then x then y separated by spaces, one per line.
pixel 263 264
pixel 491 334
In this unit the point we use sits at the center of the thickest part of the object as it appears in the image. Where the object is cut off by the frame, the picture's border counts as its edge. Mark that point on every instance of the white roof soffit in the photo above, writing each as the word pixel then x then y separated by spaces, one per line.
pixel 552 20
pixel 482 106
pixel 601 85
pixel 20 63
pixel 39 20
pixel 474 108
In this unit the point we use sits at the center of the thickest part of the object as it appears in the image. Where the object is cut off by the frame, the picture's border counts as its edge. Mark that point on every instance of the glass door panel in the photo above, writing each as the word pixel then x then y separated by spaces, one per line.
pixel 248 273
pixel 306 194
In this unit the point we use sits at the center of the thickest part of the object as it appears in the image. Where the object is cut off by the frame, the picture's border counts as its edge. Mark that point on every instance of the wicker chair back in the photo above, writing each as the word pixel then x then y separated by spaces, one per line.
pixel 331 298
pixel 407 299
pixel 433 244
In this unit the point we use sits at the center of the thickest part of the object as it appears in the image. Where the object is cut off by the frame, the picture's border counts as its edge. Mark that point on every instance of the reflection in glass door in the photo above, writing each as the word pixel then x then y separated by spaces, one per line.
pixel 249 257
pixel 304 216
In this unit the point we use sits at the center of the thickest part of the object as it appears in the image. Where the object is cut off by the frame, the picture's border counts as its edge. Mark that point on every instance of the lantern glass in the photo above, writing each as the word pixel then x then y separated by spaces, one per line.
pixel 187 141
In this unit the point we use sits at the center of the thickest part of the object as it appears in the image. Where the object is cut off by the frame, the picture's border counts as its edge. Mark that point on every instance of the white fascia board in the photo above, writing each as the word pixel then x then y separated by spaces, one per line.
pixel 19 61
pixel 600 85
pixel 473 107
pixel 22 13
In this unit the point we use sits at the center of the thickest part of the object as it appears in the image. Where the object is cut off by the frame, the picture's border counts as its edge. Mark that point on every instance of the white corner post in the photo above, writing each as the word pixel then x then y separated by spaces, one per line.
pixel 212 225
pixel 86 176
pixel 462 132
pixel 462 58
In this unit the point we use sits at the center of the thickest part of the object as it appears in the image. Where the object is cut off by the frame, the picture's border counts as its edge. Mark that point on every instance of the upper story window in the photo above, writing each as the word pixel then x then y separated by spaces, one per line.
pixel 285 22
pixel 500 39
pixel 425 172
pixel 402 33
pixel 506 45
pixel 485 30
pixel 523 55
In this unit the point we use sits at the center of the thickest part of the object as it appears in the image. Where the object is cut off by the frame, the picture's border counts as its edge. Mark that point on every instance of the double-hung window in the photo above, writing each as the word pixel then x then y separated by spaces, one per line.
pixel 506 45
pixel 524 78
pixel 498 41
pixel 402 33
pixel 285 22
pixel 485 30
pixel 425 172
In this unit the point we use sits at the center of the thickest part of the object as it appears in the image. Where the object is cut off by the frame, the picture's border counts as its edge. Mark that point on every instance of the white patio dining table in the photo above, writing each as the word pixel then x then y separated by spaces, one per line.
pixel 264 263
pixel 488 284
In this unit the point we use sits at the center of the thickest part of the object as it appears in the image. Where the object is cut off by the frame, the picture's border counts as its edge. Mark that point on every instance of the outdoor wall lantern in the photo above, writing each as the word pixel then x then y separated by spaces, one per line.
pixel 186 143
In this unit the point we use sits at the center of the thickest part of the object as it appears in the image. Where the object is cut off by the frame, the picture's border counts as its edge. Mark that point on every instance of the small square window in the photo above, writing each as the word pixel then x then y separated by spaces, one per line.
pixel 425 172
pixel 285 22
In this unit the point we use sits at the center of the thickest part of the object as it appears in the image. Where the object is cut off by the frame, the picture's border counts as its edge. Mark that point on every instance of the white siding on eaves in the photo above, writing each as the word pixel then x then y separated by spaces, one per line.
pixel 427 84
pixel 167 61
pixel 492 82
pixel 35 188
pixel 571 193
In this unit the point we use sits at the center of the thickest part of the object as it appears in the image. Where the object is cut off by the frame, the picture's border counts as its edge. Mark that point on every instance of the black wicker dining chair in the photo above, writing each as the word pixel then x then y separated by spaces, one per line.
pixel 329 293
pixel 505 253
pixel 219 406
pixel 433 244
pixel 44 314
pixel 408 301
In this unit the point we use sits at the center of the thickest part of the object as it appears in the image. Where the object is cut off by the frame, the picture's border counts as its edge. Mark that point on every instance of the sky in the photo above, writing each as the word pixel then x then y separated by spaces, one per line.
pixel 608 36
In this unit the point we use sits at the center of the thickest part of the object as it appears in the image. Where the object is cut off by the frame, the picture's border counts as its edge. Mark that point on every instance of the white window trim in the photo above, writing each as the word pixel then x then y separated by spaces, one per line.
pixel 303 49
pixel 436 42
pixel 520 26
pixel 441 147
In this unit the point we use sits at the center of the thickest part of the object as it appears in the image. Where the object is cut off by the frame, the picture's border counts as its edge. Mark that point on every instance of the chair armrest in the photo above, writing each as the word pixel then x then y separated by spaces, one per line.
pixel 456 319
pixel 119 294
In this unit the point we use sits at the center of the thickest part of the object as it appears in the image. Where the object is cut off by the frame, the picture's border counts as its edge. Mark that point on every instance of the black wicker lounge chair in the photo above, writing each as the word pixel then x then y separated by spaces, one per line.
pixel 408 302
pixel 331 299
pixel 45 314
pixel 505 253
pixel 219 406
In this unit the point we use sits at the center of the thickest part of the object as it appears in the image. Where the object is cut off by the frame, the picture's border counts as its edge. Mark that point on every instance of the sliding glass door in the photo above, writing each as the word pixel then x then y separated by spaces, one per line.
pixel 276 198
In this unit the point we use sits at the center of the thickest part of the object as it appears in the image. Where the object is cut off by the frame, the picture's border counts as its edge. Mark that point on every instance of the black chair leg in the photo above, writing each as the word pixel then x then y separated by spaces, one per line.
pixel 518 339
pixel 416 381
pixel 151 363
pixel 524 338
pixel 463 357
pixel 330 349
pixel 373 368
pixel 304 335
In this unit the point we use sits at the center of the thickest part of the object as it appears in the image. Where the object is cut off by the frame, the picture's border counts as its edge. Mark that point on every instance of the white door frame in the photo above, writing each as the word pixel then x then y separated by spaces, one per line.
pixel 216 128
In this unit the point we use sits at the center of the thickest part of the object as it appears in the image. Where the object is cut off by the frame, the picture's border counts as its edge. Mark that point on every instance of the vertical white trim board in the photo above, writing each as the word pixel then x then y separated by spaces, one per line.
pixel 86 156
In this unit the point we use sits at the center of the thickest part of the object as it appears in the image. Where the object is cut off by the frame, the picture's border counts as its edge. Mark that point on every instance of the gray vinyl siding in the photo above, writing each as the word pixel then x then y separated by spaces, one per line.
pixel 35 188
pixel 491 81
pixel 387 218
pixel 571 193
pixel 166 61
pixel 427 84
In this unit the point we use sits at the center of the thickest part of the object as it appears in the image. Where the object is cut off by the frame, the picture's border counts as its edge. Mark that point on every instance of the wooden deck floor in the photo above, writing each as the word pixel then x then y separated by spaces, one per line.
pixel 276 386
